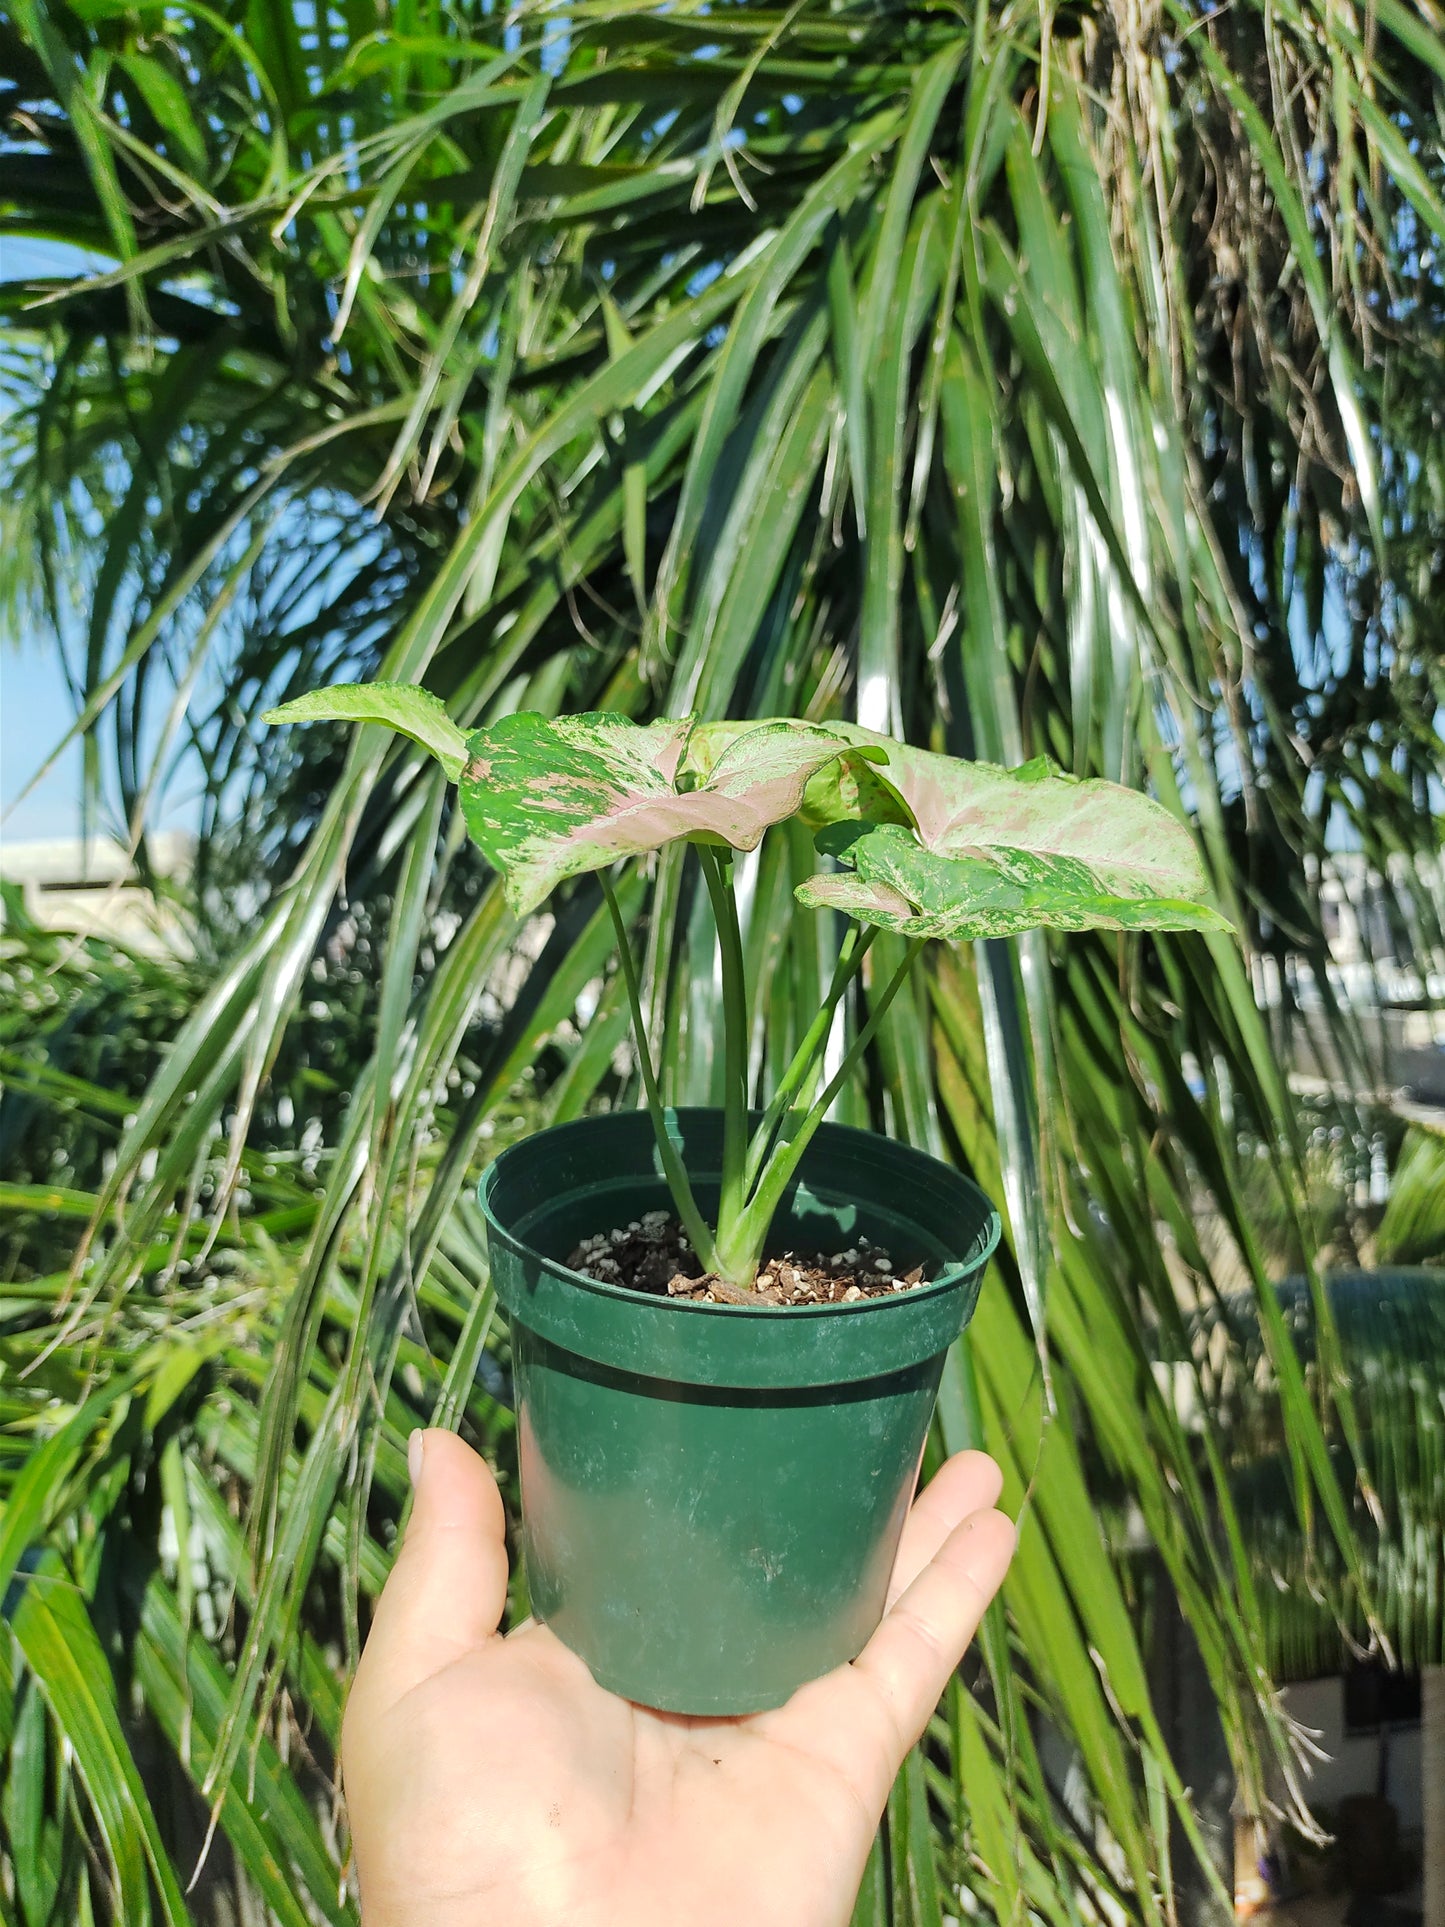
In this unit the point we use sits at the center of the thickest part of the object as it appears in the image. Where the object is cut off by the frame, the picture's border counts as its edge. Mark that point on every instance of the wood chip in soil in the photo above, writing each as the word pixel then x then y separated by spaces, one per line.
pixel 652 1254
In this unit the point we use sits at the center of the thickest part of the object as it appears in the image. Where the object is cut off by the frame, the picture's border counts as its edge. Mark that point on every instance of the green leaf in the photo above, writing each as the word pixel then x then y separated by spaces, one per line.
pixel 263 1809
pixel 548 800
pixel 32 1500
pixel 166 98
pixel 1412 1230
pixel 59 1640
pixel 401 706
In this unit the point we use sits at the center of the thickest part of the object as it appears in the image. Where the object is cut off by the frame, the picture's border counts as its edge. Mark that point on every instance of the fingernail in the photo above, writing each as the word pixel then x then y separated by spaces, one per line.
pixel 415 1452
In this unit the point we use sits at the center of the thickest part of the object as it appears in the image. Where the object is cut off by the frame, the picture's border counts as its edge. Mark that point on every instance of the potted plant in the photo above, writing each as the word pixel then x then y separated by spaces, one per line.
pixel 729 1326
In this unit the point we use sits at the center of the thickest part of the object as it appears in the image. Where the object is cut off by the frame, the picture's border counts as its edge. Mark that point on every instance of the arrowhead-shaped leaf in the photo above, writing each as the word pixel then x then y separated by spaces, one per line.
pixel 935 847
pixel 995 852
pixel 549 799
pixel 401 706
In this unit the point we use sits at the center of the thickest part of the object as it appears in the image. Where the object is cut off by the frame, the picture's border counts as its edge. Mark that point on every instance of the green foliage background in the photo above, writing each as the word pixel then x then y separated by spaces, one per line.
pixel 1037 378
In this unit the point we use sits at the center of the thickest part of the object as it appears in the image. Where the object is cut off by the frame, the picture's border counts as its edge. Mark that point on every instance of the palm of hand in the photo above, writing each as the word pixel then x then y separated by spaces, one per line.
pixel 491 1782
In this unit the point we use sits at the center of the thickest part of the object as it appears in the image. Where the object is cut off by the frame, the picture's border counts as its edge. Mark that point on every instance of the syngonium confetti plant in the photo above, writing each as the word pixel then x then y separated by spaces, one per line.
pixel 929 846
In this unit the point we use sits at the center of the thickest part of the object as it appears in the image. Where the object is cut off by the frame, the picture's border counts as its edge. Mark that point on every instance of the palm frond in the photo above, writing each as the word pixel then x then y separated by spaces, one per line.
pixel 1025 392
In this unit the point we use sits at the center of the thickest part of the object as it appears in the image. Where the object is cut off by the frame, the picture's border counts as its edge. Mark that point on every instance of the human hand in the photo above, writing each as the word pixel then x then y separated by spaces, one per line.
pixel 492 1783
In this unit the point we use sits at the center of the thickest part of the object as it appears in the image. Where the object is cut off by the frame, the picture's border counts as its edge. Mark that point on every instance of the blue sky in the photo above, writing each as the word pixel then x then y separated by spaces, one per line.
pixel 35 706
pixel 35 712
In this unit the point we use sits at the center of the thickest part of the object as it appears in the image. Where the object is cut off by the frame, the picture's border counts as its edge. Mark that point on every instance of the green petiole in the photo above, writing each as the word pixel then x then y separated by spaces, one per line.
pixel 740 1245
pixel 755 1174
pixel 674 1171
pixel 803 1067
pixel 717 872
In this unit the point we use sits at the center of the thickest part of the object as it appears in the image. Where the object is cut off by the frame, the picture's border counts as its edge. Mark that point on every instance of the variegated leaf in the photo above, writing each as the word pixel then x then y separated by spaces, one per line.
pixel 996 851
pixel 899 885
pixel 547 800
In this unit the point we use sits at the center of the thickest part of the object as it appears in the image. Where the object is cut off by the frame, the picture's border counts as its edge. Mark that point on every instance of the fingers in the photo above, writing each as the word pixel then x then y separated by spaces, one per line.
pixel 862 1719
pixel 926 1631
pixel 968 1482
pixel 447 1589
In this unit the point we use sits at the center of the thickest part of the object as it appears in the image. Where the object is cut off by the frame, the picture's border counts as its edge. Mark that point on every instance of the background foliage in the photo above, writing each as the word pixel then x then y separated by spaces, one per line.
pixel 1042 378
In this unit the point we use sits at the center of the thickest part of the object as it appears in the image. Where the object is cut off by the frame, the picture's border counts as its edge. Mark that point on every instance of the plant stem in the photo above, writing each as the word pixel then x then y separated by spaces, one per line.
pixel 717 870
pixel 738 1254
pixel 692 1219
pixel 855 948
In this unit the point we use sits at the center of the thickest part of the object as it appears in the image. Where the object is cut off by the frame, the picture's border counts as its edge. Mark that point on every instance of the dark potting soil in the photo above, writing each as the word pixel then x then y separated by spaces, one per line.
pixel 653 1254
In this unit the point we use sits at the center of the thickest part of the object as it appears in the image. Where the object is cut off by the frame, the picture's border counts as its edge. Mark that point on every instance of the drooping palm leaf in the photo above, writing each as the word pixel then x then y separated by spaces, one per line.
pixel 961 379
pixel 1389 1329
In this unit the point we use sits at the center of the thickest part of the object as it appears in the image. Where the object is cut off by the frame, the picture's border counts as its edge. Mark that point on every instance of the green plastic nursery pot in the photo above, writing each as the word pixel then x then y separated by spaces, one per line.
pixel 712 1494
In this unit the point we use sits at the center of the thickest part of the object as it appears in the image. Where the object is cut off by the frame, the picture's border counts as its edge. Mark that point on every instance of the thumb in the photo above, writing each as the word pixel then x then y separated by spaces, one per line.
pixel 447 1589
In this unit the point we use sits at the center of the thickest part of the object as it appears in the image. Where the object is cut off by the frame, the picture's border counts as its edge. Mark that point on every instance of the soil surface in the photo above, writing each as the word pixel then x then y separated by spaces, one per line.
pixel 653 1254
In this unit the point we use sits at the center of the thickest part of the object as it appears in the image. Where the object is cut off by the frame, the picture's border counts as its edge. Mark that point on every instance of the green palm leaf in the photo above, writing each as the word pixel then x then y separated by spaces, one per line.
pixel 729 362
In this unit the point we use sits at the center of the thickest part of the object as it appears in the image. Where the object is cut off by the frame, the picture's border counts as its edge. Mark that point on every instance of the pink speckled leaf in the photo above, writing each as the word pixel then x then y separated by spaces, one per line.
pixel 993 851
pixel 1132 845
pixel 546 800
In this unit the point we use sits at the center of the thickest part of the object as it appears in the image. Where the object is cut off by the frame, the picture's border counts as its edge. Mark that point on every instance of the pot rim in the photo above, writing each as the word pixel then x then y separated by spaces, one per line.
pixel 978 1255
